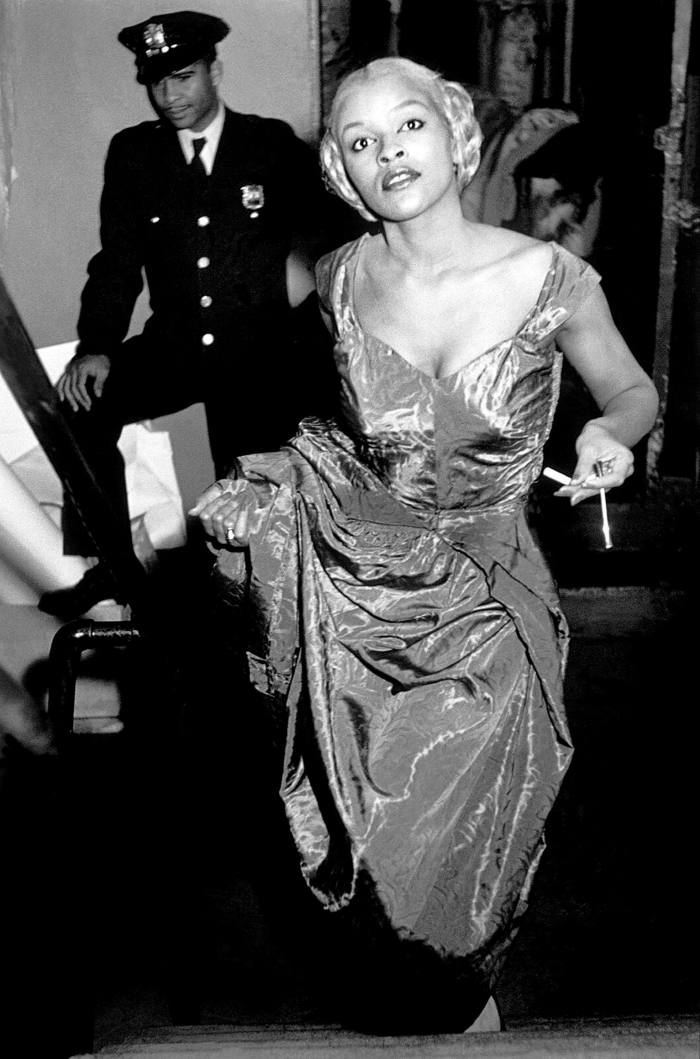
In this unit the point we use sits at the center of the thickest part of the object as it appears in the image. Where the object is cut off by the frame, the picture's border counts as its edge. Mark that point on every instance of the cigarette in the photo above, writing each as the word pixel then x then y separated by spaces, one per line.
pixel 556 476
pixel 606 525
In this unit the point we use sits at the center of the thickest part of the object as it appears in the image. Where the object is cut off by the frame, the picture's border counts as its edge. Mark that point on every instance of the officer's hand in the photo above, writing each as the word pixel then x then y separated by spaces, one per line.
pixel 73 385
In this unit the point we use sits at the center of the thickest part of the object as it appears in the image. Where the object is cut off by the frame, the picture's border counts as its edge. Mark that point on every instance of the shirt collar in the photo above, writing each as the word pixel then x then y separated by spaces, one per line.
pixel 212 134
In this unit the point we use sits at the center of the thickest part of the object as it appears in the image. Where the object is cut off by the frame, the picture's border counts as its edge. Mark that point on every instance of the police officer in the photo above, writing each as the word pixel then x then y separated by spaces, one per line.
pixel 212 205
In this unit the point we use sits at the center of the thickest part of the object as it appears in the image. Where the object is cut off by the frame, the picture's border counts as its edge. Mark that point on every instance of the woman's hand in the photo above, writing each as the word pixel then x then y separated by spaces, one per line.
pixel 224 511
pixel 603 463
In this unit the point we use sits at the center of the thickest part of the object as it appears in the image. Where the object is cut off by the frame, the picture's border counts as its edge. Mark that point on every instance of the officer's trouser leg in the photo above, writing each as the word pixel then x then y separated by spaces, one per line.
pixel 143 383
pixel 97 434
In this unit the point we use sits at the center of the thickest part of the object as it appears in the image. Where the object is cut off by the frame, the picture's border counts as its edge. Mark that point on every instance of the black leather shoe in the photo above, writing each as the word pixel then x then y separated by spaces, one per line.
pixel 95 585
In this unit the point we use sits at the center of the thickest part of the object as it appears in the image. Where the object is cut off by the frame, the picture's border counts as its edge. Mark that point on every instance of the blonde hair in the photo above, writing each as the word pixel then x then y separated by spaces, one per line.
pixel 453 103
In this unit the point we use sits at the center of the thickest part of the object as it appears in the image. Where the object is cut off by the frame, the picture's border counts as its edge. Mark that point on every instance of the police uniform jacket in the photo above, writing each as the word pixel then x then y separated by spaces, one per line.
pixel 214 259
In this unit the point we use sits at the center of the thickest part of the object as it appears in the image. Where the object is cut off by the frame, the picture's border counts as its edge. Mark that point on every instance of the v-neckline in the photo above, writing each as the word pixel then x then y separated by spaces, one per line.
pixel 351 273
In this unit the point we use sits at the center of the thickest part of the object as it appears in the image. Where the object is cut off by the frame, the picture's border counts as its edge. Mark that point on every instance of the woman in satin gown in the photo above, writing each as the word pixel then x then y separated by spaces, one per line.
pixel 403 627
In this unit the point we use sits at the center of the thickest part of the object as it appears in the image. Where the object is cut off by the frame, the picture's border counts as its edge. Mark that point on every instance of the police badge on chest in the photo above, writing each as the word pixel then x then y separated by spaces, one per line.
pixel 253 199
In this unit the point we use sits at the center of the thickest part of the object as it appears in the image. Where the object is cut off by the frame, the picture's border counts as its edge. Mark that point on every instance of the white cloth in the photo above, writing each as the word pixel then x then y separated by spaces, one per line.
pixel 31 545
pixel 212 134
pixel 152 485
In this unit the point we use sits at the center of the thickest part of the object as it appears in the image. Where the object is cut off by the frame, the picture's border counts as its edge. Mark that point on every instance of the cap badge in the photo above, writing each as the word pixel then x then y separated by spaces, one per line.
pixel 154 39
pixel 253 198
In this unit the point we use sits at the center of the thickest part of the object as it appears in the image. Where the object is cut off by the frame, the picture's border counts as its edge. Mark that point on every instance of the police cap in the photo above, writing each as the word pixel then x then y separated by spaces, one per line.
pixel 170 42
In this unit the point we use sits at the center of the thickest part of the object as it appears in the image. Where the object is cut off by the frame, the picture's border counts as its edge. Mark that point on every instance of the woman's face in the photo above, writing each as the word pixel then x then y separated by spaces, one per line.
pixel 396 146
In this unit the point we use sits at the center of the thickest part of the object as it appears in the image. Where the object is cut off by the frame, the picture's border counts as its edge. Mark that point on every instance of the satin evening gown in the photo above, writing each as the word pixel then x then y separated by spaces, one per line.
pixel 406 635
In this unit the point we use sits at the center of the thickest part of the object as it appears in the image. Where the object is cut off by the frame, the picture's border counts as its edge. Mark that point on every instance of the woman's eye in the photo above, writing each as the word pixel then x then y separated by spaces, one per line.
pixel 413 123
pixel 361 143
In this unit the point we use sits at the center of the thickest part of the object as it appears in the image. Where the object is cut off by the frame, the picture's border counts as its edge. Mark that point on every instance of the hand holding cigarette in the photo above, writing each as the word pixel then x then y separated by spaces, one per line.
pixel 562 479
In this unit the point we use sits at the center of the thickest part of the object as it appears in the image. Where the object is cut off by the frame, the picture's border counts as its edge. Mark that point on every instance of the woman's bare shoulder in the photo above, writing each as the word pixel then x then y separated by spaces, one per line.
pixel 510 262
pixel 493 246
pixel 506 271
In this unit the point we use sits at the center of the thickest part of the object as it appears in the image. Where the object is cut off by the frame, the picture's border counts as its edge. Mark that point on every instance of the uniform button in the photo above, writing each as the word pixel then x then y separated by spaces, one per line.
pixel 202 262
pixel 205 301
pixel 207 340
pixel 202 222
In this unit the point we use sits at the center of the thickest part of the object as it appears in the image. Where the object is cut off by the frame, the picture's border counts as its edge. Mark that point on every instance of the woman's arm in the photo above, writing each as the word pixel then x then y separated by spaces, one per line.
pixel 622 390
pixel 300 278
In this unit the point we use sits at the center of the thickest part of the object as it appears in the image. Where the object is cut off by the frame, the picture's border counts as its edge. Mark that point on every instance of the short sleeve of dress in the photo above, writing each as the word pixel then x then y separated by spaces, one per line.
pixel 326 270
pixel 330 277
pixel 324 273
pixel 570 281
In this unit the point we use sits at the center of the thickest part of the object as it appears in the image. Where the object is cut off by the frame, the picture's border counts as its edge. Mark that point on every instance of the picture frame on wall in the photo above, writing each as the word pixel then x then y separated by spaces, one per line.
pixel 518 50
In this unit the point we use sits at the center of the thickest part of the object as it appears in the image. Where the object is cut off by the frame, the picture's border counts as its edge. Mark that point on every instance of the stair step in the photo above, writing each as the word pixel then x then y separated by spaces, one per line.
pixel 662 1038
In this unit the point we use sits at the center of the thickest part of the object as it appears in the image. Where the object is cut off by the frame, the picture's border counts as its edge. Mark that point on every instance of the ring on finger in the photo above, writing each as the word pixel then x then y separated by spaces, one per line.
pixel 230 534
pixel 603 467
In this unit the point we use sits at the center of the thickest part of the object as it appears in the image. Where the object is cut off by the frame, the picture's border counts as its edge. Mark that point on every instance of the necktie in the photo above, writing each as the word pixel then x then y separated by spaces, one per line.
pixel 197 165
